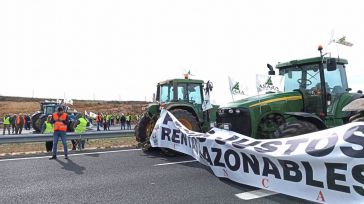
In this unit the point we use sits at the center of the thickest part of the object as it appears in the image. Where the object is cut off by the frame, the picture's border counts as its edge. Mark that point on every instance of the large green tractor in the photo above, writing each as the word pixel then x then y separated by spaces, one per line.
pixel 184 98
pixel 316 92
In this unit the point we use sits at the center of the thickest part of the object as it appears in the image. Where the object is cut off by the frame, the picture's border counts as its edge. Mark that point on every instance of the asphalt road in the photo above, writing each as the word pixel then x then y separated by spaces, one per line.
pixel 120 176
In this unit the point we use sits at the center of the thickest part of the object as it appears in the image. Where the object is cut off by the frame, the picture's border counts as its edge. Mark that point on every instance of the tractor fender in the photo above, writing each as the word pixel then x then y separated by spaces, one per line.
pixel 355 105
pixel 186 107
pixel 309 117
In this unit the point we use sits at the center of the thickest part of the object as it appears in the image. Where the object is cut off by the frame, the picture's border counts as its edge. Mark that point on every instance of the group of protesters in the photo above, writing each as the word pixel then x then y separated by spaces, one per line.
pixel 106 120
pixel 14 123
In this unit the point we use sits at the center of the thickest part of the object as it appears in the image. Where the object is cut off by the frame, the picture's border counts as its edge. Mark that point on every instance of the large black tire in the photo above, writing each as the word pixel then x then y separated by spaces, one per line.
pixel 34 120
pixel 357 117
pixel 295 128
pixel 268 125
pixel 187 119
pixel 143 130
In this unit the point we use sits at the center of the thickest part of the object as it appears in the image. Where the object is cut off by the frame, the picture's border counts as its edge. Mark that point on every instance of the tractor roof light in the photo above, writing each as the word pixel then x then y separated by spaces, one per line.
pixel 320 48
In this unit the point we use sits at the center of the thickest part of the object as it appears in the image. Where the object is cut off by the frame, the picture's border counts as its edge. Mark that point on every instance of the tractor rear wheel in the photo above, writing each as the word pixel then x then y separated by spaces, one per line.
pixel 295 128
pixel 35 125
pixel 188 120
pixel 143 130
pixel 357 117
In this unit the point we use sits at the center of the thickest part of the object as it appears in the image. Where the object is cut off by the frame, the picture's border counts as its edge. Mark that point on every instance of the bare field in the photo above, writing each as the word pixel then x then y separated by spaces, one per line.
pixel 15 105
pixel 39 147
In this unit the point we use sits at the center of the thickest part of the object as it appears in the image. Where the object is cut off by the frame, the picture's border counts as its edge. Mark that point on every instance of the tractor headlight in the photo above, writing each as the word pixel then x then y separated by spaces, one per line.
pixel 231 111
pixel 237 111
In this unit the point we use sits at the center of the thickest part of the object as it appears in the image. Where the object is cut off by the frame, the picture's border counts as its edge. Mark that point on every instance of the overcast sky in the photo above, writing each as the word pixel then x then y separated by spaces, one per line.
pixel 119 50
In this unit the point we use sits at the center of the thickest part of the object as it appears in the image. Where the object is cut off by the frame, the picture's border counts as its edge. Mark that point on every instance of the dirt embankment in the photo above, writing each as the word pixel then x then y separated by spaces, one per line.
pixel 14 105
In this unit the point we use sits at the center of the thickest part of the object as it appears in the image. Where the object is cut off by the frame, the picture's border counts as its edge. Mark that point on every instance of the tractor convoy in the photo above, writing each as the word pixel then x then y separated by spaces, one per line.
pixel 316 96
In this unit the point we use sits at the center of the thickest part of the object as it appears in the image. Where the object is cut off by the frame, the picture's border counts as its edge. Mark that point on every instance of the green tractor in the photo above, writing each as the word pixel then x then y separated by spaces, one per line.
pixel 184 98
pixel 316 92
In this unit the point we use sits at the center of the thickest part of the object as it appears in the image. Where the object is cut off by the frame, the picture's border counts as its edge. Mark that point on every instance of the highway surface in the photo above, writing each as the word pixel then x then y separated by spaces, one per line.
pixel 122 176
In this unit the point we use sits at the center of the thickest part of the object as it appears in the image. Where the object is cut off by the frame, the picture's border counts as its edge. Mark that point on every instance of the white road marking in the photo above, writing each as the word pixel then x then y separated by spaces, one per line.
pixel 70 155
pixel 255 194
pixel 171 163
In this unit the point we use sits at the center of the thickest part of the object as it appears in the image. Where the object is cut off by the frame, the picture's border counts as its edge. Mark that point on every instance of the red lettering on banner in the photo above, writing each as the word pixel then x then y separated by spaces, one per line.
pixel 321 197
pixel 225 172
pixel 265 183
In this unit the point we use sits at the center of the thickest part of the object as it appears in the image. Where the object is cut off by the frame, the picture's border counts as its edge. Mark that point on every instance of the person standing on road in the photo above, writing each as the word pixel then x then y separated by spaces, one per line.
pixel 47 128
pixel 105 122
pixel 12 122
pixel 19 123
pixel 27 122
pixel 6 122
pixel 108 120
pixel 98 121
pixel 117 118
pixel 80 127
pixel 122 121
pixel 59 120
pixel 128 121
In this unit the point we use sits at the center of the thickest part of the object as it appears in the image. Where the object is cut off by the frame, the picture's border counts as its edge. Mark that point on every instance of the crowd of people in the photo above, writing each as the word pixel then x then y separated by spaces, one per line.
pixel 105 120
pixel 60 122
pixel 15 123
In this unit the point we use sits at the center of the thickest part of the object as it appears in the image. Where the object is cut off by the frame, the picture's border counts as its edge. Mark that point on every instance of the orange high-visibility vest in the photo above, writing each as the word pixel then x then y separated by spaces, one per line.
pixel 98 118
pixel 19 120
pixel 59 125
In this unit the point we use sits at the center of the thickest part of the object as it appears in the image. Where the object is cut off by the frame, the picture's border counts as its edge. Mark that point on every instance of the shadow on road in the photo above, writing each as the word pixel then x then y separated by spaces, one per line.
pixel 71 166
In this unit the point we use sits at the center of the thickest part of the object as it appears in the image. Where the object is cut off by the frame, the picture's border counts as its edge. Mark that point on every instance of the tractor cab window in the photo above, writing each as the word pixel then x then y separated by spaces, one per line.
pixel 336 80
pixel 307 78
pixel 189 93
pixel 304 77
pixel 182 93
pixel 166 93
pixel 195 93
pixel 49 110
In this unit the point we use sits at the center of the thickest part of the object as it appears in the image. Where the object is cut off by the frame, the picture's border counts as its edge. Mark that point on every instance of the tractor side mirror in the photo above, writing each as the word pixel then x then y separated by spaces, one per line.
pixel 271 71
pixel 331 64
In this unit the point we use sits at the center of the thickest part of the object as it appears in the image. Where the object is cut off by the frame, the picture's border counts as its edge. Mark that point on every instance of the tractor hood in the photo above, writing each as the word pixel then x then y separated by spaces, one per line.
pixel 265 99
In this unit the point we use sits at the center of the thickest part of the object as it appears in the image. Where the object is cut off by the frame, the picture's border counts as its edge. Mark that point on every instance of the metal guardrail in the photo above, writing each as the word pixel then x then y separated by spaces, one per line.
pixel 5 139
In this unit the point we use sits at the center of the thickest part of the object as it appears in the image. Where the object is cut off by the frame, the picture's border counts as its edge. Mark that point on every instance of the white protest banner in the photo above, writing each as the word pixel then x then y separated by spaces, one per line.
pixel 324 167
pixel 269 83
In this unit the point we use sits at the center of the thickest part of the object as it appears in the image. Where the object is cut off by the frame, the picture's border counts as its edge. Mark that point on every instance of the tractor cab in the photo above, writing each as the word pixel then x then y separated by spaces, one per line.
pixel 319 80
pixel 48 108
pixel 179 91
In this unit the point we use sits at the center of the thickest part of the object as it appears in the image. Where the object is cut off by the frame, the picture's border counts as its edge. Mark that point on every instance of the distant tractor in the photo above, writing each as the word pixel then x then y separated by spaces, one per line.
pixel 48 108
pixel 184 98
pixel 316 92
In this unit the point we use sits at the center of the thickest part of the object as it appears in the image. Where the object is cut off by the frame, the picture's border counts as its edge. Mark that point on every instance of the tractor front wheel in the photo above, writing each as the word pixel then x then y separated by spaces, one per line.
pixel 295 128
pixel 357 117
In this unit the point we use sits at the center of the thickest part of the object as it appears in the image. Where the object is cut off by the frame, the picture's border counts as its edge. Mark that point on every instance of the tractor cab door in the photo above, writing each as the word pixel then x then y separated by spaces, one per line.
pixel 190 93
pixel 305 78
pixel 337 86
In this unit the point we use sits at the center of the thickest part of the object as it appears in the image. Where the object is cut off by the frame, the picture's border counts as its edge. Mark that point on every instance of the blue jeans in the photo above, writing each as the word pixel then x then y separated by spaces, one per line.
pixel 98 126
pixel 123 125
pixel 56 136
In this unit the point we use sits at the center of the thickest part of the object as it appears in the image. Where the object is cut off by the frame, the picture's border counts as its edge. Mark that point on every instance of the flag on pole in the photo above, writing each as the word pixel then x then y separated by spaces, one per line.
pixel 236 88
pixel 269 83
